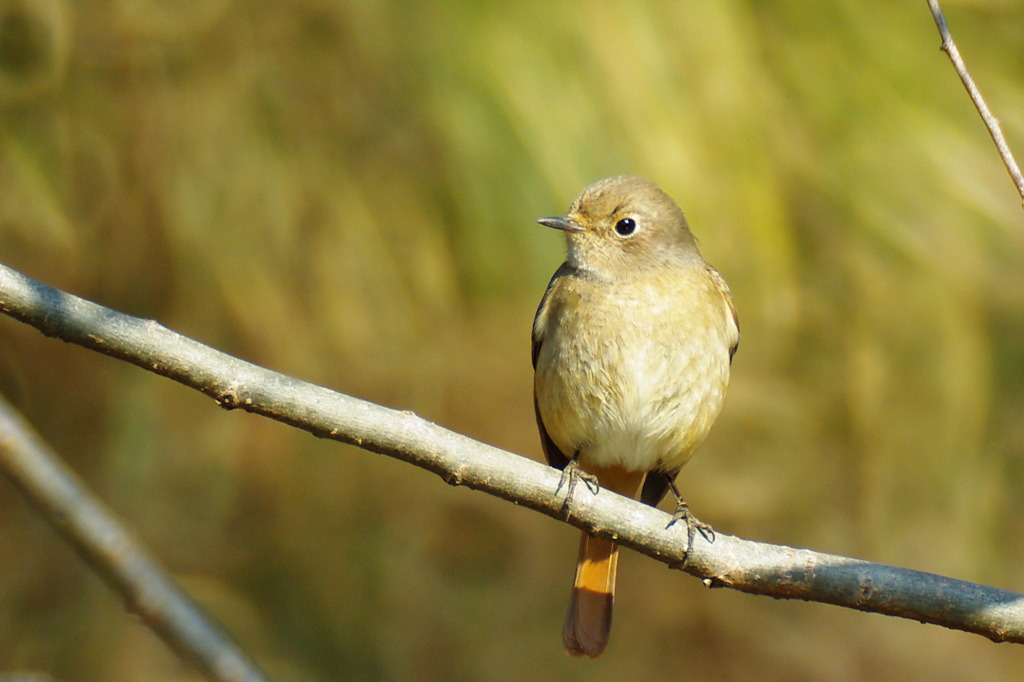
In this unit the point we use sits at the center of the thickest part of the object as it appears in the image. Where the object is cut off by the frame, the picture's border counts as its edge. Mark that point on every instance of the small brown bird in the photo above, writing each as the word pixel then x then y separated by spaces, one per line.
pixel 632 345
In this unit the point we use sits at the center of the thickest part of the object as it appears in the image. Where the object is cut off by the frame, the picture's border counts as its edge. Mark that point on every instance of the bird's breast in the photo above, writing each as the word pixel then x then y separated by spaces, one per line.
pixel 634 375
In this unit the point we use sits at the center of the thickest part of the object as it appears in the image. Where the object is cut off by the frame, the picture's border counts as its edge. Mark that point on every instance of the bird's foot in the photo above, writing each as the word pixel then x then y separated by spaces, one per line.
pixel 573 474
pixel 693 524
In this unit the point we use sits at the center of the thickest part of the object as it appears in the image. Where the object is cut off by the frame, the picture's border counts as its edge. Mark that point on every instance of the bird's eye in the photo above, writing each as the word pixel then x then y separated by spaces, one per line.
pixel 625 227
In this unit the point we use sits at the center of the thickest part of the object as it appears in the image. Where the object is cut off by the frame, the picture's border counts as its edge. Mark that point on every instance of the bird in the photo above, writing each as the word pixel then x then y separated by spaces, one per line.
pixel 633 342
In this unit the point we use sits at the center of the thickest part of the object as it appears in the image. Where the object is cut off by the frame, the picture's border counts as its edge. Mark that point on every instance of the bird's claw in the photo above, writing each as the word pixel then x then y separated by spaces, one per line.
pixel 693 524
pixel 572 474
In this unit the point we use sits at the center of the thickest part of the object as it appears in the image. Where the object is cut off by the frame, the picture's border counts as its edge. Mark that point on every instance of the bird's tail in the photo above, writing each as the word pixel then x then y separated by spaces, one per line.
pixel 588 620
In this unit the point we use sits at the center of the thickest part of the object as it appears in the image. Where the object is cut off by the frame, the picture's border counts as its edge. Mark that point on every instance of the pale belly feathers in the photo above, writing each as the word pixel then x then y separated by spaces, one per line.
pixel 633 384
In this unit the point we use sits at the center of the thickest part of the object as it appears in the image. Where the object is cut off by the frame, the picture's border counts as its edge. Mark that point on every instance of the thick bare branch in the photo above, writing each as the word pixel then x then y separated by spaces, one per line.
pixel 754 567
pixel 112 550
pixel 991 122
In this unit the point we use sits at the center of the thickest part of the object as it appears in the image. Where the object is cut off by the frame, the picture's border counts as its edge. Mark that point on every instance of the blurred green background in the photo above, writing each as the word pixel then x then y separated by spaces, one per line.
pixel 346 192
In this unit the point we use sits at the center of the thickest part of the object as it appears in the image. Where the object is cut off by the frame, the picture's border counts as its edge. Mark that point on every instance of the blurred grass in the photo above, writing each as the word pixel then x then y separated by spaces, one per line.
pixel 345 192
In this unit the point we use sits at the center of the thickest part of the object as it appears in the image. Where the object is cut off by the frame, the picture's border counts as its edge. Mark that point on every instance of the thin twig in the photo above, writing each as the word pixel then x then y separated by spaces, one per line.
pixel 991 122
pixel 111 549
pixel 753 567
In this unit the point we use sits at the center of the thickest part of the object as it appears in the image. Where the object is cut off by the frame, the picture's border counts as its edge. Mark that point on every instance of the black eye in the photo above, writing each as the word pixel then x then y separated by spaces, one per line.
pixel 625 227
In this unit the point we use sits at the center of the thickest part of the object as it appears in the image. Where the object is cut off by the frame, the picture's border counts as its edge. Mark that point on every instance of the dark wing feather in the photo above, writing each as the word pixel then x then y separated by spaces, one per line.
pixel 552 453
pixel 656 485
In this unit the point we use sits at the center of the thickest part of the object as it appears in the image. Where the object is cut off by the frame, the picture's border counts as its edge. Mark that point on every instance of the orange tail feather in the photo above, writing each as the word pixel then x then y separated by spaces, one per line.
pixel 588 620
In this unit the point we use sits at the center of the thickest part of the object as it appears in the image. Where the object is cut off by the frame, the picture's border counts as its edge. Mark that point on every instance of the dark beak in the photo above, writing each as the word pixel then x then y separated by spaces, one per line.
pixel 561 224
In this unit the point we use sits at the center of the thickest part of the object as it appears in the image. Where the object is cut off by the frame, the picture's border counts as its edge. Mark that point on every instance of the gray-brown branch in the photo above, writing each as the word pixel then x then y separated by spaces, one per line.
pixel 991 122
pixel 755 567
pixel 108 546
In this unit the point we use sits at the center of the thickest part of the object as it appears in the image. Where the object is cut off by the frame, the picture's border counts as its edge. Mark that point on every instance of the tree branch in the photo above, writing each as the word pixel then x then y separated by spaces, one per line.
pixel 753 567
pixel 991 122
pixel 111 549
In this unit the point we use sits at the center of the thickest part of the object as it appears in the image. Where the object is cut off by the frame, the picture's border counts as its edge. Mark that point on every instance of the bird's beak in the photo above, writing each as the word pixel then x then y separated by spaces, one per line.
pixel 561 224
